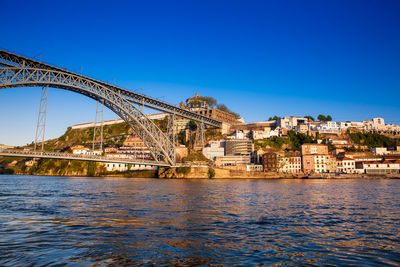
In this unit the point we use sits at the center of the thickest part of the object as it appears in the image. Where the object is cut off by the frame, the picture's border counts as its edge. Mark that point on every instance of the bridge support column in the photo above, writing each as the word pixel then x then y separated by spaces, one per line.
pixel 200 138
pixel 101 125
pixel 41 122
pixel 171 131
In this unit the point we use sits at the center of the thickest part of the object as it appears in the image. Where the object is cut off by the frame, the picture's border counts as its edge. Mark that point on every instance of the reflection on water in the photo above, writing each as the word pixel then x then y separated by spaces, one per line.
pixel 83 221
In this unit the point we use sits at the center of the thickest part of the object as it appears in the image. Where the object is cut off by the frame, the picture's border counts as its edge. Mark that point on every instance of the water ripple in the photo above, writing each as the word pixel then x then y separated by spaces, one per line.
pixel 128 222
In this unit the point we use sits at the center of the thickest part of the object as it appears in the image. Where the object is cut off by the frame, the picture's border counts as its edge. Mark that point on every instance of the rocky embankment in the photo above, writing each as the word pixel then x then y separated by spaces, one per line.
pixel 221 173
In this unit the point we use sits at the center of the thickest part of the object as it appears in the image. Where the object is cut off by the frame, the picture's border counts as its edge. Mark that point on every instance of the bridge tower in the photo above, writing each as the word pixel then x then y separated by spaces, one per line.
pixel 41 121
pixel 95 127
pixel 200 137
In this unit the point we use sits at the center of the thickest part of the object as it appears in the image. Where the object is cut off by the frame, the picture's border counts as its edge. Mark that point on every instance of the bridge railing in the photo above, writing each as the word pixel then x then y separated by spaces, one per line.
pixel 60 155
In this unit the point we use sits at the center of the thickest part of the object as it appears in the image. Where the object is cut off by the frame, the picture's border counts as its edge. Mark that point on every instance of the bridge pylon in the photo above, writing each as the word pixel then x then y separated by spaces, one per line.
pixel 200 137
pixel 95 127
pixel 171 131
pixel 41 121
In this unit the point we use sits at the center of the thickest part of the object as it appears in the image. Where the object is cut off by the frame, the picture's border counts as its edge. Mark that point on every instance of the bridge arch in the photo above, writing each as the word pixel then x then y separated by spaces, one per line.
pixel 159 145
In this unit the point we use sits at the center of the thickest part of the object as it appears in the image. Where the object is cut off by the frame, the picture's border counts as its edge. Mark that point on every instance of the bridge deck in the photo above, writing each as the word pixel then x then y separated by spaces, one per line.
pixel 69 156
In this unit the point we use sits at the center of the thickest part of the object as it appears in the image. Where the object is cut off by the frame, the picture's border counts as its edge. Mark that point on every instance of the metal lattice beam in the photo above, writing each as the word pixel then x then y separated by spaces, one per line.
pixel 8 59
pixel 160 145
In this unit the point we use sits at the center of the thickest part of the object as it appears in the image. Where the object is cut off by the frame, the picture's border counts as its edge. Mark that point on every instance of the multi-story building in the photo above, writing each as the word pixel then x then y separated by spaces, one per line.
pixel 232 160
pixel 81 150
pixel 290 123
pixel 380 151
pixel 271 161
pixel 280 162
pixel 290 163
pixel 346 165
pixel 310 149
pixel 332 167
pixel 376 124
pixel 258 134
pixel 329 127
pixel 338 143
pixel 242 147
pixel 135 147
pixel 378 167
pixel 198 105
pixel 121 167
pixel 351 125
pixel 181 124
pixel 214 149
pixel 301 128
pixel 315 158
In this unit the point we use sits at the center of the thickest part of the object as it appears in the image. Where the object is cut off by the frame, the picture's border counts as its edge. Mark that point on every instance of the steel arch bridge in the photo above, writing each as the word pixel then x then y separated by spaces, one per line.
pixel 18 71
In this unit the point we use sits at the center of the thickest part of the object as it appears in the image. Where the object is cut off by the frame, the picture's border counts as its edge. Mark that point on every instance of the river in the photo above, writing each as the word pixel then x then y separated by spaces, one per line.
pixel 127 222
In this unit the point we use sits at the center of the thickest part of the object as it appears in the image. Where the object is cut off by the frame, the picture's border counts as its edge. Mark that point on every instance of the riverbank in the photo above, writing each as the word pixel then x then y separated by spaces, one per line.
pixel 224 173
pixel 209 173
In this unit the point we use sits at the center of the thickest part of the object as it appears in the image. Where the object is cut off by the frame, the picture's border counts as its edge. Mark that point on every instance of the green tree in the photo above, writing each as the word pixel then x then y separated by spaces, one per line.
pixel 211 173
pixel 192 125
pixel 91 168
pixel 324 118
pixel 298 139
pixel 274 118
pixel 321 117
pixel 310 118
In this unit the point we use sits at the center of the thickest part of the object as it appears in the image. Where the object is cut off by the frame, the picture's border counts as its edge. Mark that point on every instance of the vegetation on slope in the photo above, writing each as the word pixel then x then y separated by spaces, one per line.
pixel 372 139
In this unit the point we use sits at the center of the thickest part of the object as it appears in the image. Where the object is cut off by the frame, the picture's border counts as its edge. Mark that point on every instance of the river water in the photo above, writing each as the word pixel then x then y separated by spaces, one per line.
pixel 125 222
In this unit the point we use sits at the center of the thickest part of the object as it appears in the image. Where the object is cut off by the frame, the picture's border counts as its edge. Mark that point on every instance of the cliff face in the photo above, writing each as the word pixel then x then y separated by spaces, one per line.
pixel 219 173
pixel 54 167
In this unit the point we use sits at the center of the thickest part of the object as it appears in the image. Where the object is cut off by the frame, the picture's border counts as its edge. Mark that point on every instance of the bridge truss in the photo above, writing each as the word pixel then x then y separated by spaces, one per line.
pixel 18 71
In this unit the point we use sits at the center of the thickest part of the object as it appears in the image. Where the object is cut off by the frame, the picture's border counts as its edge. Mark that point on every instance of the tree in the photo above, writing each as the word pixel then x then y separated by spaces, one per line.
pixel 192 125
pixel 310 118
pixel 274 118
pixel 224 108
pixel 211 173
pixel 298 139
pixel 321 117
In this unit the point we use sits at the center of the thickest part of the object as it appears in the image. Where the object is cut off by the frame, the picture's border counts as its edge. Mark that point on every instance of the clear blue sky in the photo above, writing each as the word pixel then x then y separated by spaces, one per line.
pixel 260 58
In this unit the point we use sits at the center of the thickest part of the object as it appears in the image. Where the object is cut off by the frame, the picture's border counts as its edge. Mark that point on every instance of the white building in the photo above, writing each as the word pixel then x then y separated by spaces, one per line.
pixel 290 164
pixel 80 150
pixel 346 165
pixel 380 151
pixel 274 133
pixel 291 122
pixel 338 143
pixel 214 149
pixel 329 127
pixel 254 168
pixel 379 167
pixel 121 167
pixel 351 124
pixel 376 124
pixel 232 160
pixel 239 134
pixel 259 134
pixel 321 163
pixel 157 116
